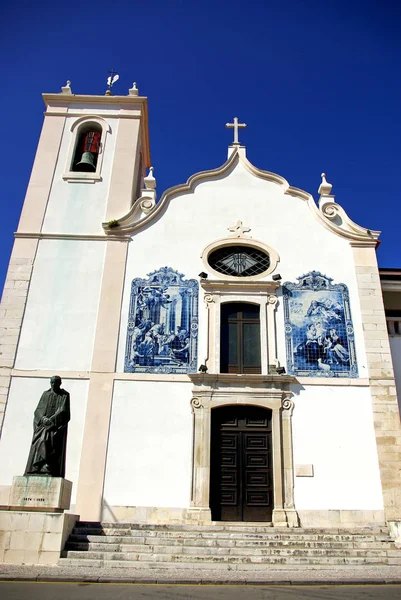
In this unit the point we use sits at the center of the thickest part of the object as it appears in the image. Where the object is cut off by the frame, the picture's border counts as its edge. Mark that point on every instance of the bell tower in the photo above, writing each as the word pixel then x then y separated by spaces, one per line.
pixel 90 162
pixel 65 279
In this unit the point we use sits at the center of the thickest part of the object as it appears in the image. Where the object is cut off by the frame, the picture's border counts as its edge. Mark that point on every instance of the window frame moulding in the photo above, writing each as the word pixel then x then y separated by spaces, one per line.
pixel 240 241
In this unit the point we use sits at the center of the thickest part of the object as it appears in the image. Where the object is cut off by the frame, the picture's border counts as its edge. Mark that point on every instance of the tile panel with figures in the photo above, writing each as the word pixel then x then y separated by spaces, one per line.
pixel 318 327
pixel 162 330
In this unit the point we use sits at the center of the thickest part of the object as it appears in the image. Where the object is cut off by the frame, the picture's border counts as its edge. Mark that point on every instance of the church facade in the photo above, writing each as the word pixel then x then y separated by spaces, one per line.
pixel 225 347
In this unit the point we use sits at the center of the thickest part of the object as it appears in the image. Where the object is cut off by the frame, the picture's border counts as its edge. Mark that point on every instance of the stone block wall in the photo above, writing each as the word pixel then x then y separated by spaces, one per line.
pixel 386 414
pixel 12 311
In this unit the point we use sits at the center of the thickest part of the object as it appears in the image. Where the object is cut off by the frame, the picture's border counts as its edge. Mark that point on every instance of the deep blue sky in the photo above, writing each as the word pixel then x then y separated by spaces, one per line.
pixel 317 81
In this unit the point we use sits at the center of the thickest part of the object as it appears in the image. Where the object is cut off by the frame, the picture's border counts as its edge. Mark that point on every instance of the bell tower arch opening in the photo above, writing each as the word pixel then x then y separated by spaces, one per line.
pixel 87 148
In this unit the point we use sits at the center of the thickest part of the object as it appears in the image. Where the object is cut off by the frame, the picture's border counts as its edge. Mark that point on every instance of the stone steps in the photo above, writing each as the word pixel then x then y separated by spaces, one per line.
pixel 110 543
pixel 199 552
pixel 217 527
pixel 162 562
pixel 139 535
pixel 223 545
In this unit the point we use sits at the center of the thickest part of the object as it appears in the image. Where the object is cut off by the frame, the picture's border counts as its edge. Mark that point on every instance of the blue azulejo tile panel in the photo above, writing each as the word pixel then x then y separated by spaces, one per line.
pixel 318 328
pixel 162 331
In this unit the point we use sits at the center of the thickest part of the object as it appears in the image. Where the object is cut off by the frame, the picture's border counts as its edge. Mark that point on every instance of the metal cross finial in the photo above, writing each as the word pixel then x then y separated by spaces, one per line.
pixel 236 126
pixel 110 79
pixel 238 229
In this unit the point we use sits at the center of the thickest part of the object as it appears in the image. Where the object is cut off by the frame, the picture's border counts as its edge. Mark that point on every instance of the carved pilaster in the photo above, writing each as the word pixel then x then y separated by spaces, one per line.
pixel 201 454
pixel 271 329
pixel 211 351
pixel 287 406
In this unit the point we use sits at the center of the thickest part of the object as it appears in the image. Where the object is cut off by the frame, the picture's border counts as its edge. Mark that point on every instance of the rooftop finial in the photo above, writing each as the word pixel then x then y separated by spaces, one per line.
pixel 150 181
pixel 134 90
pixel 66 89
pixel 236 126
pixel 325 186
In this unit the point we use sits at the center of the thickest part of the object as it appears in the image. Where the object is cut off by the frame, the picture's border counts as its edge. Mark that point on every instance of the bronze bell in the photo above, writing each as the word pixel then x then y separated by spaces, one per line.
pixel 87 163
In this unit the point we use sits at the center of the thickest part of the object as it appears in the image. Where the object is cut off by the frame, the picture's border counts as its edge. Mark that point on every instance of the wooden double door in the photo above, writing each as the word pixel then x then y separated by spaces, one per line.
pixel 241 482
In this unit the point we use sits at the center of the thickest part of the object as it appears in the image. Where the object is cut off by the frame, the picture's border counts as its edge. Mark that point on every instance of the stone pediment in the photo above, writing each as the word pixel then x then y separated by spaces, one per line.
pixel 331 215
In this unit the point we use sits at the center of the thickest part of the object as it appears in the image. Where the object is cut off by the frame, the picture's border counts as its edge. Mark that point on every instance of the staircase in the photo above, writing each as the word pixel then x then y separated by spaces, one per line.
pixel 241 547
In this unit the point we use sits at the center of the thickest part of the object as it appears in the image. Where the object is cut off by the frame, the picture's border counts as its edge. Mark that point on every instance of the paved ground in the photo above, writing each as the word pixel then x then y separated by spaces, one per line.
pixel 104 591
pixel 285 574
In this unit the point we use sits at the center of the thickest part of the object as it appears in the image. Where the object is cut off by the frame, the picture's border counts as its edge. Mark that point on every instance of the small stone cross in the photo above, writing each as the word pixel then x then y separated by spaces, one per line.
pixel 236 126
pixel 238 229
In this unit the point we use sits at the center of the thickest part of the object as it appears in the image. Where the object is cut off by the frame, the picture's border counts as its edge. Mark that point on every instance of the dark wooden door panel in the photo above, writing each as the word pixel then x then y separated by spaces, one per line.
pixel 241 464
pixel 230 469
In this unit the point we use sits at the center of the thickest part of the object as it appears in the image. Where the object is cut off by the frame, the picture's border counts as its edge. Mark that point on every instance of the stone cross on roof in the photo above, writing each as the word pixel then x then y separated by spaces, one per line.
pixel 236 126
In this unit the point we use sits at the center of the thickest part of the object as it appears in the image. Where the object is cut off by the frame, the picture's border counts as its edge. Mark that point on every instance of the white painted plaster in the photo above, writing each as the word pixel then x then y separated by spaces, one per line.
pixel 15 442
pixel 60 318
pixel 333 430
pixel 395 345
pixel 283 222
pixel 150 442
pixel 76 206
pixel 93 108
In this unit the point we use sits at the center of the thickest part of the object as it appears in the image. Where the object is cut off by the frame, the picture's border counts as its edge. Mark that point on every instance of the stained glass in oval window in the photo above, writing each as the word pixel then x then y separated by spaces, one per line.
pixel 239 261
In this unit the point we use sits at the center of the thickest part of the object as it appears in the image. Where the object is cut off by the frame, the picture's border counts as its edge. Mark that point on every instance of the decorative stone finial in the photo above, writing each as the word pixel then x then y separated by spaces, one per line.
pixel 150 181
pixel 134 90
pixel 148 197
pixel 325 186
pixel 66 89
pixel 238 229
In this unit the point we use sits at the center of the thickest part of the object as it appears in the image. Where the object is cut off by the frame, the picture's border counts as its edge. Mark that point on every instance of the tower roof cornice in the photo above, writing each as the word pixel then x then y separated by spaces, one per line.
pixel 65 99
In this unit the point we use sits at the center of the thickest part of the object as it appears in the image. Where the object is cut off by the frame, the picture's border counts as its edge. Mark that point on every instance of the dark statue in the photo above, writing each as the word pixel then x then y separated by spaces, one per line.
pixel 49 441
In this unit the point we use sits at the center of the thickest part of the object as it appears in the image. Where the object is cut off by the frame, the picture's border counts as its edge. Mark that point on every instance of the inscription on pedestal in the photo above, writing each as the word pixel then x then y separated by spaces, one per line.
pixel 41 493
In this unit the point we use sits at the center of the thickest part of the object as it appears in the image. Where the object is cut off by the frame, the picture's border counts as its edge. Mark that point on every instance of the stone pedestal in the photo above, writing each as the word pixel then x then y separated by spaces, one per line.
pixel 33 538
pixel 40 493
pixel 34 527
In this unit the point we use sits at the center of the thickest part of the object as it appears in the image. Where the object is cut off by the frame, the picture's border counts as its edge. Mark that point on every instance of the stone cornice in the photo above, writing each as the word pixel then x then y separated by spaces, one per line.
pixel 212 380
pixel 105 115
pixel 71 236
pixel 371 243
pixel 66 99
pixel 330 214
pixel 195 377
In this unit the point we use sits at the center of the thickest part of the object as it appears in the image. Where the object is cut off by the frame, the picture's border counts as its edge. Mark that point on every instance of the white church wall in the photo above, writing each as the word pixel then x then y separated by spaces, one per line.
pixel 333 431
pixel 60 317
pixel 149 450
pixel 395 345
pixel 25 393
pixel 76 207
pixel 283 222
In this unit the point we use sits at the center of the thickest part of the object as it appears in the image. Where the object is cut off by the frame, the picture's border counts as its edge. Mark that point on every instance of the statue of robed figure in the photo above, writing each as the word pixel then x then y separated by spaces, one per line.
pixel 48 448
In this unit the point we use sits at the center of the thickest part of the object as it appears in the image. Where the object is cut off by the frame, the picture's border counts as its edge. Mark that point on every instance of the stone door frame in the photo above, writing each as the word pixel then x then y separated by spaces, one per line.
pixel 216 390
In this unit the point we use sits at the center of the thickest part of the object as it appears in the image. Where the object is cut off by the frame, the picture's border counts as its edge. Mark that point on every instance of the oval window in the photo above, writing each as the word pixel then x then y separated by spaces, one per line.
pixel 239 261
